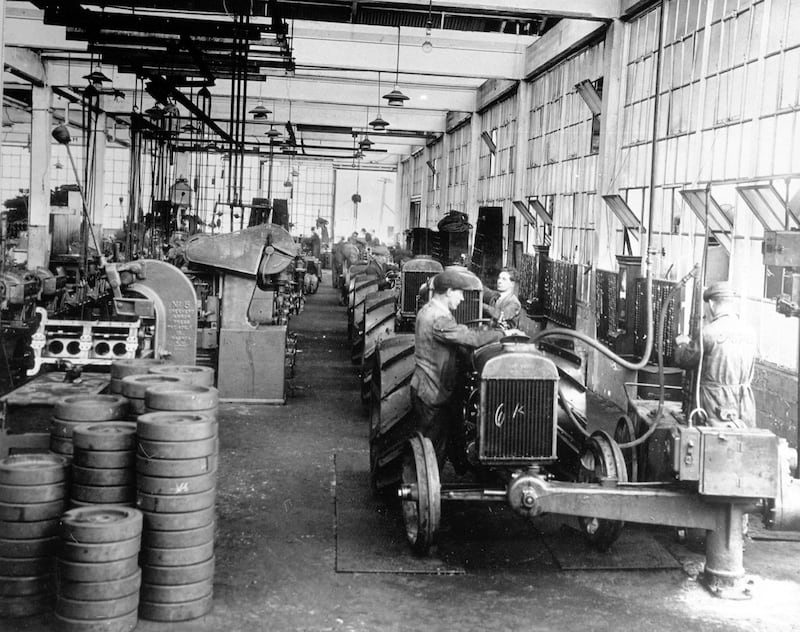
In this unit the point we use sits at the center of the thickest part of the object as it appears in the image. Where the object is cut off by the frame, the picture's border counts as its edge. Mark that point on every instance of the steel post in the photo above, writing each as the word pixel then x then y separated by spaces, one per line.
pixel 724 571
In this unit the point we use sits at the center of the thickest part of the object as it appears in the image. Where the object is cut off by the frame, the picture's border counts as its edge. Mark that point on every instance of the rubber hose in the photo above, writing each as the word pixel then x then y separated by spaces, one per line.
pixel 660 353
pixel 570 333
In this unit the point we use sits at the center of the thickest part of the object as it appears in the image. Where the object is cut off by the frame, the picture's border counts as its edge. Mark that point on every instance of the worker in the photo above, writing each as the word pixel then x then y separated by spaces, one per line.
pixel 315 243
pixel 437 338
pixel 502 304
pixel 378 266
pixel 728 355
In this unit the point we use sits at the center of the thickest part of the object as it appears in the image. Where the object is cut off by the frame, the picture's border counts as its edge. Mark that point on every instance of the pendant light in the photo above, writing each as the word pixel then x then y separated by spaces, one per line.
pixel 427 45
pixel 378 124
pixel 260 111
pixel 395 98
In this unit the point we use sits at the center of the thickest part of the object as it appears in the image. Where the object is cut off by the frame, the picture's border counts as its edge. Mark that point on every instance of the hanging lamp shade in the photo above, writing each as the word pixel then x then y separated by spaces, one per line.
pixel 378 124
pixel 189 127
pixel 260 111
pixel 272 132
pixel 395 98
pixel 96 76
pixel 365 143
pixel 204 92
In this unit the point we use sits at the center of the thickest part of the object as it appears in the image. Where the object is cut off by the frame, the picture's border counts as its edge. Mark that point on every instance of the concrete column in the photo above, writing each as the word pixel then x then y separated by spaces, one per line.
pixel 444 172
pixel 474 162
pixel 604 376
pixel 39 200
pixel 520 188
pixel 426 214
pixel 610 134
pixel 2 65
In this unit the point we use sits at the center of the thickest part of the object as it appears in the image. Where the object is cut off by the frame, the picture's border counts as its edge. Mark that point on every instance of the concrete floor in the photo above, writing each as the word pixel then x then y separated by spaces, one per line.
pixel 278 548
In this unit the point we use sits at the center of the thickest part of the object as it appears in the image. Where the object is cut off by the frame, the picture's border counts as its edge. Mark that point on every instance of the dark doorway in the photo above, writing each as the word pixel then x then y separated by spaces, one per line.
pixel 487 254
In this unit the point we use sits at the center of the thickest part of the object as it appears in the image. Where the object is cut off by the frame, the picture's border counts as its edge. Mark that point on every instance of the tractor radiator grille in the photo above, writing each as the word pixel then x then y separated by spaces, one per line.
pixel 470 308
pixel 411 284
pixel 518 420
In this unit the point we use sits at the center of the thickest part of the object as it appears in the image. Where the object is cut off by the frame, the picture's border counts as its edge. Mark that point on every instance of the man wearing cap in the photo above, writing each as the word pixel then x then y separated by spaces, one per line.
pixel 437 337
pixel 377 265
pixel 728 355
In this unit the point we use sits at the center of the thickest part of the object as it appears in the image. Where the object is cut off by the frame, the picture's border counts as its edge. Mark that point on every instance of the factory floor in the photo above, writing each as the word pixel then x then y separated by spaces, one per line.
pixel 302 545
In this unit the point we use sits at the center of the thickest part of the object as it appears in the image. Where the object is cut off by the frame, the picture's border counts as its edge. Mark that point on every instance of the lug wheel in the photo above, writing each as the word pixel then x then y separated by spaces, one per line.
pixel 625 432
pixel 421 494
pixel 601 459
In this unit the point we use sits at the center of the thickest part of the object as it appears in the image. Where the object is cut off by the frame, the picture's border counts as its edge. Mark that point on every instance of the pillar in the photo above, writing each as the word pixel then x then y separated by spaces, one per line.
pixel 39 200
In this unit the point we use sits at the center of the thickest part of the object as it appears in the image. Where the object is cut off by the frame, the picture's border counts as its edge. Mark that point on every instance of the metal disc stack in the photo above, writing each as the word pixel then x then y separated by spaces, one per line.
pixel 131 366
pixel 176 489
pixel 33 495
pixel 98 572
pixel 75 410
pixel 200 375
pixel 103 466
pixel 134 387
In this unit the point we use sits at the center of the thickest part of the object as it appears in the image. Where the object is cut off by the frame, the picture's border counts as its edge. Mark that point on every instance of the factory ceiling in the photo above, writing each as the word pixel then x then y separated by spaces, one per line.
pixel 321 67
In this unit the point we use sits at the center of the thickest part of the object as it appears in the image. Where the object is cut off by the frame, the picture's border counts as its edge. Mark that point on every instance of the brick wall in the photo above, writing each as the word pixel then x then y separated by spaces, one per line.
pixel 775 390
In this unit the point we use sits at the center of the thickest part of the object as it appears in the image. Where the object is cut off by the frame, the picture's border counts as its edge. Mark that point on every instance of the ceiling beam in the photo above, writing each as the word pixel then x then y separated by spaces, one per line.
pixel 577 9
pixel 25 64
pixel 558 43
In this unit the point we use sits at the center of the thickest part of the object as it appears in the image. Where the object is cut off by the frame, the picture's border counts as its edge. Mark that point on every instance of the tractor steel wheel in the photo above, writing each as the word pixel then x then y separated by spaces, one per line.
pixel 601 459
pixel 422 504
pixel 624 433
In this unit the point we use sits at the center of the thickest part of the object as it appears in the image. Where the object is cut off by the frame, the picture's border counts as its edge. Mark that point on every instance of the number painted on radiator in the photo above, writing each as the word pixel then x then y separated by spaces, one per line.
pixel 500 414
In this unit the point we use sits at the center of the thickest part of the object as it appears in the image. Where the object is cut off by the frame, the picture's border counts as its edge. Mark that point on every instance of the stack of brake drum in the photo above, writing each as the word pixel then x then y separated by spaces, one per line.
pixel 176 469
pixel 103 465
pixel 121 369
pixel 74 410
pixel 33 495
pixel 134 387
pixel 199 375
pixel 98 575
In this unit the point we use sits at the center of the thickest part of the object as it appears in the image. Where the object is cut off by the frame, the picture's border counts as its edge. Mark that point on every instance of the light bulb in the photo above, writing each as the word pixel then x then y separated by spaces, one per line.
pixel 427 45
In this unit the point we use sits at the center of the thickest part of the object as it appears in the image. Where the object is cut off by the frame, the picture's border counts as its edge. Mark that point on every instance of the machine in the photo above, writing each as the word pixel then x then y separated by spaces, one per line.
pixel 259 290
pixel 151 310
pixel 523 432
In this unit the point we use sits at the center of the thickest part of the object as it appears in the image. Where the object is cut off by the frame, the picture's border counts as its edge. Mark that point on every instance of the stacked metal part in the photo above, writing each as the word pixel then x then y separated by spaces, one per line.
pixel 121 369
pixel 176 482
pixel 134 387
pixel 103 466
pixel 74 410
pixel 33 495
pixel 189 373
pixel 97 571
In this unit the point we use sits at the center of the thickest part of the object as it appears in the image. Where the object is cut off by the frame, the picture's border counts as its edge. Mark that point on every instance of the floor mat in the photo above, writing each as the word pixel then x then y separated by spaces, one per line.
pixel 369 530
pixel 635 549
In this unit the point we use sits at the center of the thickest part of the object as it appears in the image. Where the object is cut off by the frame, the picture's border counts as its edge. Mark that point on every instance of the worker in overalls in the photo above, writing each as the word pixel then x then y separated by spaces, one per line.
pixel 728 354
pixel 437 338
